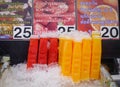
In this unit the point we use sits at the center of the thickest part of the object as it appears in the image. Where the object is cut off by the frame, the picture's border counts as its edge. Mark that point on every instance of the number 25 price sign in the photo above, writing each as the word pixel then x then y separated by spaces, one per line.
pixel 22 32
pixel 110 32
pixel 62 29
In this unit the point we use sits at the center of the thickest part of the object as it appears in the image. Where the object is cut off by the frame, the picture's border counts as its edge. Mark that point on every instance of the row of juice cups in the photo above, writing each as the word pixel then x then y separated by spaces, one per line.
pixel 78 57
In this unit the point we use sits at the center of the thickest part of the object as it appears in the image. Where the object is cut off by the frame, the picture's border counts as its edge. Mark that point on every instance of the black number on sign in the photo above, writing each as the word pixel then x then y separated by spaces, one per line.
pixel 19 30
pixel 70 29
pixel 22 32
pixel 106 31
pixel 26 32
pixel 61 29
pixel 112 33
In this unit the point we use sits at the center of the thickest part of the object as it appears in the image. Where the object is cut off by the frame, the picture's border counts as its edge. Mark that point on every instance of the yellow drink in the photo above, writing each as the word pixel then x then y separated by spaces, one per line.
pixel 76 61
pixel 86 59
pixel 61 40
pixel 66 57
pixel 96 58
pixel 95 33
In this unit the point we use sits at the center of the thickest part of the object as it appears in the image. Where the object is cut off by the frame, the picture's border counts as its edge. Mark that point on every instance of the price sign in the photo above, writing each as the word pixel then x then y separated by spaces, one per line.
pixel 62 29
pixel 110 32
pixel 22 32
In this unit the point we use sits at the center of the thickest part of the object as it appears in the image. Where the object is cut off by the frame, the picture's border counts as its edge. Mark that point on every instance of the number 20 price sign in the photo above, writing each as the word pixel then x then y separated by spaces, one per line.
pixel 110 32
pixel 22 32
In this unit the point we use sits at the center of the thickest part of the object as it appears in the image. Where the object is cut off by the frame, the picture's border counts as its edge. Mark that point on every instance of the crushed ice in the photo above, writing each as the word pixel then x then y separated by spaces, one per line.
pixel 40 76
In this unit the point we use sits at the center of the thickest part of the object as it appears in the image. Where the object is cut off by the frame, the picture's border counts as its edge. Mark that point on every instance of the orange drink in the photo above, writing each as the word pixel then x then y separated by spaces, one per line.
pixel 86 58
pixel 76 61
pixel 95 33
pixel 96 58
pixel 61 40
pixel 66 57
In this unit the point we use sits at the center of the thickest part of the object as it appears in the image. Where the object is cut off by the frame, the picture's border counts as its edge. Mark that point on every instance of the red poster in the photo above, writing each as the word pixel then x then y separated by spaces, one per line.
pixel 51 15
pixel 92 14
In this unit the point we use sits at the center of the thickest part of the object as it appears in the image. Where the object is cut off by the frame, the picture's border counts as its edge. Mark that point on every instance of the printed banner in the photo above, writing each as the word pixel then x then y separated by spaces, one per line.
pixel 92 14
pixel 53 15
pixel 14 13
